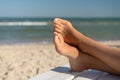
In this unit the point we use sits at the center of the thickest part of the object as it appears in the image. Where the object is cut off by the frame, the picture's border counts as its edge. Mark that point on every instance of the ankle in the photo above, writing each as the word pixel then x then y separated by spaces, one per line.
pixel 79 38
pixel 77 64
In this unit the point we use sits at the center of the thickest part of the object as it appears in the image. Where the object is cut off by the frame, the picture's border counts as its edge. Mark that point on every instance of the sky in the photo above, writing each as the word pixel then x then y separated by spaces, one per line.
pixel 60 8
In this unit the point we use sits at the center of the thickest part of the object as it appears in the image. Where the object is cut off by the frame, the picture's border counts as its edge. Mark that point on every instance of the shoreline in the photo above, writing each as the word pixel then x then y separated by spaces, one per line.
pixel 23 61
pixel 106 42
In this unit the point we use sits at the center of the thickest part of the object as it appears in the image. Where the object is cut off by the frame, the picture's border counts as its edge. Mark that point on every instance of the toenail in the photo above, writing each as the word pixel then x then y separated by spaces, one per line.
pixel 56 19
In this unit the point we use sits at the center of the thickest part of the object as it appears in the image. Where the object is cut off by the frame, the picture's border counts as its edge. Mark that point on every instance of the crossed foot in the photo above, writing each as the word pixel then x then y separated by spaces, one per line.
pixel 67 31
pixel 67 39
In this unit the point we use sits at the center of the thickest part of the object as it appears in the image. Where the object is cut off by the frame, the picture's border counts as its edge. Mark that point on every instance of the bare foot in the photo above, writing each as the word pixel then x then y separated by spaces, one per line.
pixel 100 54
pixel 63 48
pixel 78 60
pixel 66 29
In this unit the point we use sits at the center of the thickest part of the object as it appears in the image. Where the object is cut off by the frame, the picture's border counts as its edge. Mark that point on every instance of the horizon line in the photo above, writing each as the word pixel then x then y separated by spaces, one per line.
pixel 59 17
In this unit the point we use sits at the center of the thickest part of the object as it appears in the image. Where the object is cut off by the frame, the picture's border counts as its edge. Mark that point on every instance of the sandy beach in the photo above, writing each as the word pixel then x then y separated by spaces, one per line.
pixel 21 61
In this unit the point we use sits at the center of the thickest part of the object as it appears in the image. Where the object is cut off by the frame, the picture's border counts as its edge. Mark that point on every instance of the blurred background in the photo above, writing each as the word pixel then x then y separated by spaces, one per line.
pixel 30 21
pixel 26 32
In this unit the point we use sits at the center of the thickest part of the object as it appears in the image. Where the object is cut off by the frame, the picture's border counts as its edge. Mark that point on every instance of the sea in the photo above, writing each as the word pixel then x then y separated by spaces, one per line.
pixel 40 30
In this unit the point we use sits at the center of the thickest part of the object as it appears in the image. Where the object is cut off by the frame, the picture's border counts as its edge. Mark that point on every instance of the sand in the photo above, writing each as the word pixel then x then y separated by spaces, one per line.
pixel 23 61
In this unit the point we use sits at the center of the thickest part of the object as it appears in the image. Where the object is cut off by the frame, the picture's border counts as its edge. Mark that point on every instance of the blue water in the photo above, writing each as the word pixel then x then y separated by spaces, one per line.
pixel 22 32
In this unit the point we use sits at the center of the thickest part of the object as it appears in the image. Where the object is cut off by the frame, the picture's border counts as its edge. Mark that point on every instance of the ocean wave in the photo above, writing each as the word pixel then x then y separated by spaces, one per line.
pixel 28 23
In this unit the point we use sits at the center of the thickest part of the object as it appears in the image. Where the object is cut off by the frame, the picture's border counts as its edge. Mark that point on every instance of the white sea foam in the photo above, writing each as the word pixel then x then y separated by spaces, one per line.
pixel 27 23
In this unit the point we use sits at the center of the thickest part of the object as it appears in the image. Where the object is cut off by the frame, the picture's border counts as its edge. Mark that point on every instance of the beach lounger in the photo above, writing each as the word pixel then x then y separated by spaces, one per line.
pixel 64 73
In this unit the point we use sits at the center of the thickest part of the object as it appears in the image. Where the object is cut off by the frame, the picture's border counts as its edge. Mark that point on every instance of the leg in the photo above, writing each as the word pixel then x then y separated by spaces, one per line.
pixel 78 59
pixel 109 55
